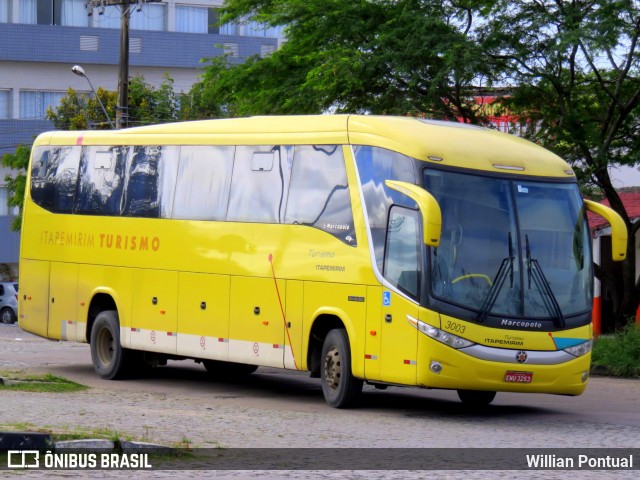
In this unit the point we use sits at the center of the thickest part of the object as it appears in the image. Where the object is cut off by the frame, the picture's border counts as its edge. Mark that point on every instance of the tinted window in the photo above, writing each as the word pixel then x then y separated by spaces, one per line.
pixel 375 165
pixel 102 180
pixel 259 185
pixel 319 192
pixel 54 175
pixel 402 257
pixel 150 181
pixel 204 179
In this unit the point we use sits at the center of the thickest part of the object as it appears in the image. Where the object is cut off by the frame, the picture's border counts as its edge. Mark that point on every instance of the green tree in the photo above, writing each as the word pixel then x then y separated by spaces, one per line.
pixel 575 71
pixel 79 111
pixel 147 105
pixel 381 57
pixel 18 161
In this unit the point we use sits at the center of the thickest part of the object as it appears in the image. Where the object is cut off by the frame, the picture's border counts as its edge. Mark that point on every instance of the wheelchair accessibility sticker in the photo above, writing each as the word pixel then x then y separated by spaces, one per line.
pixel 386 299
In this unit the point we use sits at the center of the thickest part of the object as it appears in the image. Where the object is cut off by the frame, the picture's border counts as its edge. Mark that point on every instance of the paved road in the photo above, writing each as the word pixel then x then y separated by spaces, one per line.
pixel 275 408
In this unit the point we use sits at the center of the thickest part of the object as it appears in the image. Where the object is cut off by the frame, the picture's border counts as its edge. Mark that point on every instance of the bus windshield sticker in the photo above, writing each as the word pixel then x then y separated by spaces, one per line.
pixel 522 189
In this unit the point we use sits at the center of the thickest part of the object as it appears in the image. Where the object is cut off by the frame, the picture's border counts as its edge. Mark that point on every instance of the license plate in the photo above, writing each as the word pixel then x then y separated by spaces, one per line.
pixel 518 377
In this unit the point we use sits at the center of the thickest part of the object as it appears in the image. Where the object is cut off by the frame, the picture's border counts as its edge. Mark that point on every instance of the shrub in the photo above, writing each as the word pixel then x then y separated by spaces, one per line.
pixel 619 353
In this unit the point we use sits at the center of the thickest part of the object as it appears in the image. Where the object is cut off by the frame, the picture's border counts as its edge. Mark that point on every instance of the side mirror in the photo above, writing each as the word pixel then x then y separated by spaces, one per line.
pixel 429 209
pixel 618 229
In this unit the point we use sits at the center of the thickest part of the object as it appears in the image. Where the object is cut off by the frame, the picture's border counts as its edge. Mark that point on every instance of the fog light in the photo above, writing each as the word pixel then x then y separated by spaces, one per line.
pixel 436 367
pixel 585 376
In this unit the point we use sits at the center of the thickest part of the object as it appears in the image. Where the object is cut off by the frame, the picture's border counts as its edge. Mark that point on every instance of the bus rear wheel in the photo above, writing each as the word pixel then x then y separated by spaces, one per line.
pixel 476 398
pixel 339 387
pixel 110 360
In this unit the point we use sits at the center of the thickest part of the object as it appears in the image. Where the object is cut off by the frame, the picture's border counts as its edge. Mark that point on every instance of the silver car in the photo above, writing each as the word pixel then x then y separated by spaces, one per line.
pixel 8 302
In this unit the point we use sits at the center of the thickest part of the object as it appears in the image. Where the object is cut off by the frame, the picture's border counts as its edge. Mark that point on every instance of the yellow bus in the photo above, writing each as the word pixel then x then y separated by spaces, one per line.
pixel 386 250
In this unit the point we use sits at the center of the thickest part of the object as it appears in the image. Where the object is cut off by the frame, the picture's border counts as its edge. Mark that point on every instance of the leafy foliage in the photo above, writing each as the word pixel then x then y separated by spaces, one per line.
pixel 380 57
pixel 19 161
pixel 78 111
pixel 147 105
pixel 620 353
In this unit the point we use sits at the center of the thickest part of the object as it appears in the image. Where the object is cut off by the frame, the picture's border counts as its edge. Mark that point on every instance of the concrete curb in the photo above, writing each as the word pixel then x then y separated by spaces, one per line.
pixel 42 441
pixel 25 441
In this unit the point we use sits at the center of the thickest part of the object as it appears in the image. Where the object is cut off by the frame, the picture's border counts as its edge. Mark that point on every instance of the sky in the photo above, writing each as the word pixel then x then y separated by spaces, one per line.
pixel 625 176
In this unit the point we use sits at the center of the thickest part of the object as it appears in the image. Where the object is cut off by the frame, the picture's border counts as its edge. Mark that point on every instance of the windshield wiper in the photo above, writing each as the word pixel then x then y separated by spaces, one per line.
pixel 506 269
pixel 535 273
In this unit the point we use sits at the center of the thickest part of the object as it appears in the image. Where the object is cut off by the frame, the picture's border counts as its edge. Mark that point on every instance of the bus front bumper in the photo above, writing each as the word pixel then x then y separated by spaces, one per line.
pixel 441 366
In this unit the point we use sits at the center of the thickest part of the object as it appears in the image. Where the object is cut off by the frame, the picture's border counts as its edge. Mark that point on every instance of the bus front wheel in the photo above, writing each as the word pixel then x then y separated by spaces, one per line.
pixel 476 398
pixel 339 386
pixel 108 357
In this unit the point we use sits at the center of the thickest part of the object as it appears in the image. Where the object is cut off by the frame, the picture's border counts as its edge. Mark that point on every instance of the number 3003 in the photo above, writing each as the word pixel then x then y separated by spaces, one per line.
pixel 455 327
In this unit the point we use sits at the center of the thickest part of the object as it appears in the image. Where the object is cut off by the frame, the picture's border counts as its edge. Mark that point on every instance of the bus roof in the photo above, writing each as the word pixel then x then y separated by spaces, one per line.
pixel 444 143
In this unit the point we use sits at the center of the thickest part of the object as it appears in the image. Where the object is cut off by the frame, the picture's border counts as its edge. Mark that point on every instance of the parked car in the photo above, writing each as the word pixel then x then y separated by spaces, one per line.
pixel 8 302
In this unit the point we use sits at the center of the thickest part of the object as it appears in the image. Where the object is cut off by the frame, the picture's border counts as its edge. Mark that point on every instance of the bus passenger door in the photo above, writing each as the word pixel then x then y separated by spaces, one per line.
pixel 256 326
pixel 33 296
pixel 402 266
pixel 154 316
pixel 63 299
pixel 398 339
pixel 203 315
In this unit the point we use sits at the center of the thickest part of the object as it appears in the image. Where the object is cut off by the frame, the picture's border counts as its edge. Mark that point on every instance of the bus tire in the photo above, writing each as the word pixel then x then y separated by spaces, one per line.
pixel 476 398
pixel 339 387
pixel 227 370
pixel 110 360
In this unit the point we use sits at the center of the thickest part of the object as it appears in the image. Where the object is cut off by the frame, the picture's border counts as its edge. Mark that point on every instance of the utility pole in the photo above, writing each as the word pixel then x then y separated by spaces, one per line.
pixel 122 109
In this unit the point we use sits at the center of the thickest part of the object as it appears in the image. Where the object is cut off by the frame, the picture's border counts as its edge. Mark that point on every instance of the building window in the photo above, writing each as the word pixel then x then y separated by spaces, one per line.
pixel 229 29
pixel 4 11
pixel 109 18
pixel 34 103
pixel 149 17
pixel 54 12
pixel 257 29
pixel 5 104
pixel 250 29
pixel 192 19
pixel 212 23
pixel 4 208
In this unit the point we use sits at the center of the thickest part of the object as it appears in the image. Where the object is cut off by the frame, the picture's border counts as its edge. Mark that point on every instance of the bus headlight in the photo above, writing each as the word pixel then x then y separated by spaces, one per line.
pixel 440 335
pixel 581 349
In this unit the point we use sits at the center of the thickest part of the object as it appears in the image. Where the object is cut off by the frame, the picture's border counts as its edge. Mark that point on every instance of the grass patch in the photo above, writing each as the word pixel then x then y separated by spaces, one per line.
pixel 18 381
pixel 68 433
pixel 619 353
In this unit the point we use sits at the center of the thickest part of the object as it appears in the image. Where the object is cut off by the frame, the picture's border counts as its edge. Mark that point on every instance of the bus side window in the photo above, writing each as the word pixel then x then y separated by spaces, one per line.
pixel 54 177
pixel 151 182
pixel 203 183
pixel 402 252
pixel 319 191
pixel 258 193
pixel 102 179
pixel 375 165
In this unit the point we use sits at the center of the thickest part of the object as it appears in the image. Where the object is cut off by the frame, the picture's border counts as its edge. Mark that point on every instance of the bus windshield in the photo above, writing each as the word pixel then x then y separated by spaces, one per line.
pixel 516 248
